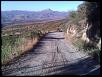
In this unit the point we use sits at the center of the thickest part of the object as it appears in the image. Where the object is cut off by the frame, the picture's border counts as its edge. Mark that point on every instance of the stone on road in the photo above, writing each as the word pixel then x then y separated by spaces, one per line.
pixel 52 56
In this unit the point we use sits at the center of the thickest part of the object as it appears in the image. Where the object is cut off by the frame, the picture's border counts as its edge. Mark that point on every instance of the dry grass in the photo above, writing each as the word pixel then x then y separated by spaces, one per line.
pixel 28 44
pixel 15 51
pixel 14 44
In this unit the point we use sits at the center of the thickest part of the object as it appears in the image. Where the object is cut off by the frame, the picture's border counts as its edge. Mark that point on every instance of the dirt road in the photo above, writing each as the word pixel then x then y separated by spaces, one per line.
pixel 52 56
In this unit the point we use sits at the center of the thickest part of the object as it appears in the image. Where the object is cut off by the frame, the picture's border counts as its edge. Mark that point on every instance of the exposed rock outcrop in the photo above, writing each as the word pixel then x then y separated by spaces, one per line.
pixel 72 30
pixel 85 31
pixel 77 30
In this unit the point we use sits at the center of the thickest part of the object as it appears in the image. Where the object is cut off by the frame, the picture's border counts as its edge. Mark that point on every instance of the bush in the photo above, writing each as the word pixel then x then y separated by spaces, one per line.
pixel 89 48
pixel 92 50
pixel 78 43
pixel 10 44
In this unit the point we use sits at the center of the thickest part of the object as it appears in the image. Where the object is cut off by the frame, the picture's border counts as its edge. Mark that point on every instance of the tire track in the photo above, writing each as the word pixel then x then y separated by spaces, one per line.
pixel 53 56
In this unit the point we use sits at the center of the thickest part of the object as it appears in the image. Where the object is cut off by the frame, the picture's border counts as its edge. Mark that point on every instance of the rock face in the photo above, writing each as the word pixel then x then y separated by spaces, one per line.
pixel 93 20
pixel 88 33
pixel 84 35
pixel 72 29
pixel 99 44
pixel 77 30
pixel 93 32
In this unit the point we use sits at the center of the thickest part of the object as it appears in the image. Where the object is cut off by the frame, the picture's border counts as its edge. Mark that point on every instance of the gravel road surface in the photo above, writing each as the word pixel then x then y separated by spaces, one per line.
pixel 53 55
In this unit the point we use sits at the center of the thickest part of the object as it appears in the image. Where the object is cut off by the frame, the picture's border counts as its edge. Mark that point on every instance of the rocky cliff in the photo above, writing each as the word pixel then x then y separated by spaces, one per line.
pixel 89 34
pixel 88 28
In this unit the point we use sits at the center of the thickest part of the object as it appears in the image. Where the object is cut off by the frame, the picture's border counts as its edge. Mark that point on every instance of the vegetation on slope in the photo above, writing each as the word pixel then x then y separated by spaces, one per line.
pixel 14 45
pixel 86 20
pixel 20 38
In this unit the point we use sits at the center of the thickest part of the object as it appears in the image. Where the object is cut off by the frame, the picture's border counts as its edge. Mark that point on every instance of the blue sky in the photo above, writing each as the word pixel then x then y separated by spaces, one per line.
pixel 40 5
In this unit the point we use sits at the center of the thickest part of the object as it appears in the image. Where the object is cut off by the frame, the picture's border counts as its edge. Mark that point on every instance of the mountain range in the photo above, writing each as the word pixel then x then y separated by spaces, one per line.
pixel 19 16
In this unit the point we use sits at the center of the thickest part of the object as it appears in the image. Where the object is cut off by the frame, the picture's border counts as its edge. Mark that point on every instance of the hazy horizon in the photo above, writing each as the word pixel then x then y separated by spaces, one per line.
pixel 34 11
pixel 40 5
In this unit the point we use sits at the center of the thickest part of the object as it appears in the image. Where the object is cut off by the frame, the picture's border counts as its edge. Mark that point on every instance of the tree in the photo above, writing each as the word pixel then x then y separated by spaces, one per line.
pixel 93 19
pixel 72 14
pixel 82 10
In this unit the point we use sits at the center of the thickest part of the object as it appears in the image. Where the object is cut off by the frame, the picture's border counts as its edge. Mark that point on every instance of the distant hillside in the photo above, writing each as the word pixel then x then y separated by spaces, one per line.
pixel 17 16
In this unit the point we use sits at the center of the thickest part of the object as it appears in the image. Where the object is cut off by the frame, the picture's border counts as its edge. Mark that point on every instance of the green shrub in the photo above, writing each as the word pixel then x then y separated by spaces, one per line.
pixel 78 43
pixel 88 48
pixel 92 50
pixel 11 43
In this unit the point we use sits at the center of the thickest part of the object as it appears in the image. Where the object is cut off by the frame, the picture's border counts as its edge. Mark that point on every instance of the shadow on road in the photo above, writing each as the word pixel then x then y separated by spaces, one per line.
pixel 81 67
pixel 52 38
pixel 75 67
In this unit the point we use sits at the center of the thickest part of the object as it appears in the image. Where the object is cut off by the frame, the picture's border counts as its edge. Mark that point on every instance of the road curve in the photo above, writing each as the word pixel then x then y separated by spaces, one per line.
pixel 52 56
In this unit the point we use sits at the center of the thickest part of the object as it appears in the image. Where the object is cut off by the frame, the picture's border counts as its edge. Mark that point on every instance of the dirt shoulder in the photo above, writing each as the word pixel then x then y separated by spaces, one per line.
pixel 52 56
